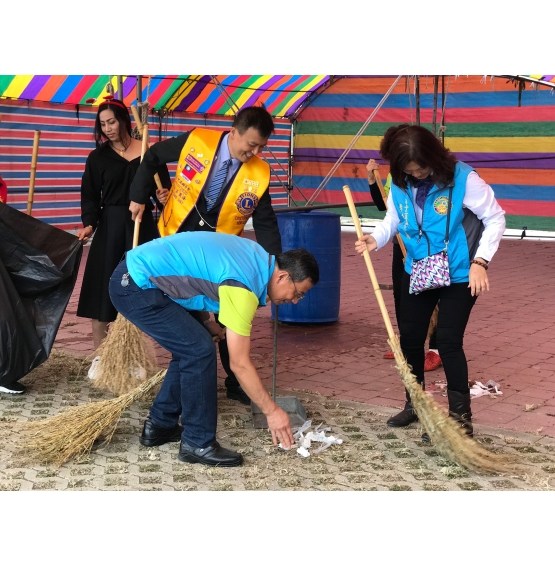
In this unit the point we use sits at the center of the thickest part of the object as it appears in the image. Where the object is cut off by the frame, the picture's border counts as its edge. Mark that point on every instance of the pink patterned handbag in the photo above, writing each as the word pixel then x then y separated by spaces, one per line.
pixel 432 271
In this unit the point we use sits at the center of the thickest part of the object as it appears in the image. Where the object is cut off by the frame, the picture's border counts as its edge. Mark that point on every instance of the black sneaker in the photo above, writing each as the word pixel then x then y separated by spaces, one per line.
pixel 235 392
pixel 13 388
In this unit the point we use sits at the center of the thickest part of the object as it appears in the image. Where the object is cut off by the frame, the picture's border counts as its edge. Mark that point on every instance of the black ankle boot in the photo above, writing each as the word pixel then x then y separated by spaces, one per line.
pixel 459 410
pixel 403 418
pixel 406 416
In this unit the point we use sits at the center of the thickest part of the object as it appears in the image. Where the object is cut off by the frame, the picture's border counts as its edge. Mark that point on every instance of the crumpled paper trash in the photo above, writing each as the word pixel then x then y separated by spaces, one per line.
pixel 304 442
pixel 478 389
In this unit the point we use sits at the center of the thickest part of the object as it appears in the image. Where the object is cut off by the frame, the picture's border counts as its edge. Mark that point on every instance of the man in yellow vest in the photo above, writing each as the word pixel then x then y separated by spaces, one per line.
pixel 220 182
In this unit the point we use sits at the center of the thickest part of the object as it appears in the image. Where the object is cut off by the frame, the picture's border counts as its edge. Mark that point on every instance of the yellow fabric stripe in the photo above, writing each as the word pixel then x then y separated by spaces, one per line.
pixel 17 86
pixel 521 144
pixel 247 93
pixel 172 104
pixel 100 98
pixel 237 309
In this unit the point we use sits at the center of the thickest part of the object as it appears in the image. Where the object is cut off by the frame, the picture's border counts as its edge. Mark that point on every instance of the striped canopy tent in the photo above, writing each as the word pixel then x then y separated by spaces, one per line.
pixel 199 94
pixel 503 130
pixel 57 106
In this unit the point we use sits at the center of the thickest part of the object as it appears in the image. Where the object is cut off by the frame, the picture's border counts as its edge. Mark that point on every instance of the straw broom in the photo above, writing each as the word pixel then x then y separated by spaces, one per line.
pixel 446 434
pixel 123 353
pixel 433 319
pixel 72 433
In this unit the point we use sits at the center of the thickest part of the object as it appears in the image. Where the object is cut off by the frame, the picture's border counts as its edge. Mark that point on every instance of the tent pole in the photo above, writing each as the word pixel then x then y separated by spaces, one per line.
pixel 352 143
pixel 417 98
pixel 434 118
pixel 290 167
pixel 139 95
pixel 224 93
pixel 120 88
pixel 443 109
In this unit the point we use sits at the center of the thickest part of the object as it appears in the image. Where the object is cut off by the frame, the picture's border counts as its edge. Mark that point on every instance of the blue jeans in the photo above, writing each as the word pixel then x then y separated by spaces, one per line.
pixel 189 388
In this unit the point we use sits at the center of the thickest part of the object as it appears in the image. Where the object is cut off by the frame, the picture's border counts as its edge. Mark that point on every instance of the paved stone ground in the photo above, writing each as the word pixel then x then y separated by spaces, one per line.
pixel 372 456
pixel 338 372
pixel 509 339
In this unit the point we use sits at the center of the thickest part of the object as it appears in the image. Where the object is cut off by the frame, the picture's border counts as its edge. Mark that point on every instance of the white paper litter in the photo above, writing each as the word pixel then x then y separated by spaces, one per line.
pixel 304 442
pixel 490 389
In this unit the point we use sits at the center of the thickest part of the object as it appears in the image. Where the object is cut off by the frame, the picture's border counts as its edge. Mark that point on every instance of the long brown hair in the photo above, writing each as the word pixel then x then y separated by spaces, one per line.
pixel 122 116
pixel 419 145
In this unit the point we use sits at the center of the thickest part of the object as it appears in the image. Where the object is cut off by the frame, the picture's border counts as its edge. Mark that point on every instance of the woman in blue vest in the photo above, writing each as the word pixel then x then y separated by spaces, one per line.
pixel 427 181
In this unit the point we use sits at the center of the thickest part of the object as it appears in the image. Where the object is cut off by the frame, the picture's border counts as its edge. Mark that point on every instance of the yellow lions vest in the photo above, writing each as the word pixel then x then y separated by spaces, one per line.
pixel 195 162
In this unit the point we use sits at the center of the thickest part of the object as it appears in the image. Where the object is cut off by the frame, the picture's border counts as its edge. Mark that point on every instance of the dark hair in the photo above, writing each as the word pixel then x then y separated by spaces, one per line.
pixel 419 145
pixel 256 117
pixel 122 116
pixel 299 264
pixel 390 133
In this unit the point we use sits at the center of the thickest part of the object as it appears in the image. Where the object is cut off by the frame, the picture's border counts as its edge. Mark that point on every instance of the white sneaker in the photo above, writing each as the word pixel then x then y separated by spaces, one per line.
pixel 93 370
pixel 138 372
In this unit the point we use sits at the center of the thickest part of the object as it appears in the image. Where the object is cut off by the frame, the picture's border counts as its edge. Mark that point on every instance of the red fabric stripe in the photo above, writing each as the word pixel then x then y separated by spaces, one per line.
pixel 453 115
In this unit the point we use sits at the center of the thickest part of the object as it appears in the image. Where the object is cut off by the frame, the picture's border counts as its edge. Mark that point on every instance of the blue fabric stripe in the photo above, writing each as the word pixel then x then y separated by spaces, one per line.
pixel 502 191
pixel 454 100
pixel 66 88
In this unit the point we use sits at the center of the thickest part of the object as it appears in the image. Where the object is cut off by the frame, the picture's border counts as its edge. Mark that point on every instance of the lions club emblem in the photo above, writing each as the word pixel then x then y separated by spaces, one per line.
pixel 440 205
pixel 246 203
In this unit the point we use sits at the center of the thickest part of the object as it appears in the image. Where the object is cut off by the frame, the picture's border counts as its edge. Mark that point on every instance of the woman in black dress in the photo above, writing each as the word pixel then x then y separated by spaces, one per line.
pixel 109 170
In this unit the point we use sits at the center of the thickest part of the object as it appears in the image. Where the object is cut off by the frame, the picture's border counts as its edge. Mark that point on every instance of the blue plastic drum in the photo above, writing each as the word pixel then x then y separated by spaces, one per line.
pixel 319 232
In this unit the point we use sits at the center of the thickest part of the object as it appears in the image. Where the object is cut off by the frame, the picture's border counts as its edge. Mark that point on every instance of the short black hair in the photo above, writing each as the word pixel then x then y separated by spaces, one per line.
pixel 256 117
pixel 122 116
pixel 300 264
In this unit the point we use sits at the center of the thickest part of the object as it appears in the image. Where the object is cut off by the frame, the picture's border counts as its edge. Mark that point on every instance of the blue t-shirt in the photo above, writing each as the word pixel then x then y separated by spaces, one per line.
pixel 207 271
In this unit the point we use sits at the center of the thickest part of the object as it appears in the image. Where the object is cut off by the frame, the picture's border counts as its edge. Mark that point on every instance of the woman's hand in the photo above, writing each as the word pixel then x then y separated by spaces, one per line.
pixel 84 233
pixel 366 243
pixel 371 166
pixel 478 279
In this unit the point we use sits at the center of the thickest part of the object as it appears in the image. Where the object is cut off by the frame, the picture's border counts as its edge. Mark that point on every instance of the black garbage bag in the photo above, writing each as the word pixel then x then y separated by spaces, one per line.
pixel 38 269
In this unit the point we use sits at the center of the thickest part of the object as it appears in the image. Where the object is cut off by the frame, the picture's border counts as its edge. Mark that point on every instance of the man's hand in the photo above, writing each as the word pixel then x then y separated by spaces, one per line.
pixel 280 427
pixel 162 195
pixel 367 242
pixel 217 332
pixel 136 211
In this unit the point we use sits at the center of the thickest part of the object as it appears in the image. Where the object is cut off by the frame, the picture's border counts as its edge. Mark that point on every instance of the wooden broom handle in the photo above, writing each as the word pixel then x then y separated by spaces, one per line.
pixel 140 127
pixel 35 154
pixel 384 197
pixel 371 272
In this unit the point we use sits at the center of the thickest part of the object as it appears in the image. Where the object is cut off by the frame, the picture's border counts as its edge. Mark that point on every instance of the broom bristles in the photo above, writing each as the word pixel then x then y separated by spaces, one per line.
pixel 123 358
pixel 433 322
pixel 72 433
pixel 446 434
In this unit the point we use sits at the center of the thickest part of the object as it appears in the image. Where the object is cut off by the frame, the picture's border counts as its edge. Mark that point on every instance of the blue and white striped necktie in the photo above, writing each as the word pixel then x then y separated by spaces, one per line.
pixel 213 192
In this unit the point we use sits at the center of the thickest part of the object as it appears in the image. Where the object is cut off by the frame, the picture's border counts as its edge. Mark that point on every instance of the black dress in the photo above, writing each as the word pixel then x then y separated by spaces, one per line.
pixel 105 206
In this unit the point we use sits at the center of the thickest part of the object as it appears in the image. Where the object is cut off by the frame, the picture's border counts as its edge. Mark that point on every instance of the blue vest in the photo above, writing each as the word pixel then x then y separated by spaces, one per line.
pixel 190 266
pixel 465 228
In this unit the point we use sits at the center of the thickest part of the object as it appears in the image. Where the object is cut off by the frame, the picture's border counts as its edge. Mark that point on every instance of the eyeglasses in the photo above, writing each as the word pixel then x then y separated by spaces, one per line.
pixel 297 292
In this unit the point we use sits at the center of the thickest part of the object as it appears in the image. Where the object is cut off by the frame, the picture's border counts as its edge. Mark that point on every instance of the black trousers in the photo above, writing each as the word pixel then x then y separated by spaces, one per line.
pixel 456 305
pixel 397 271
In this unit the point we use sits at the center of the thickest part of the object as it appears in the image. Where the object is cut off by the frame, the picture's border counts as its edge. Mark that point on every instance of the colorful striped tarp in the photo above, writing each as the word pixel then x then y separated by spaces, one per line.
pixel 198 94
pixel 66 141
pixel 512 147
